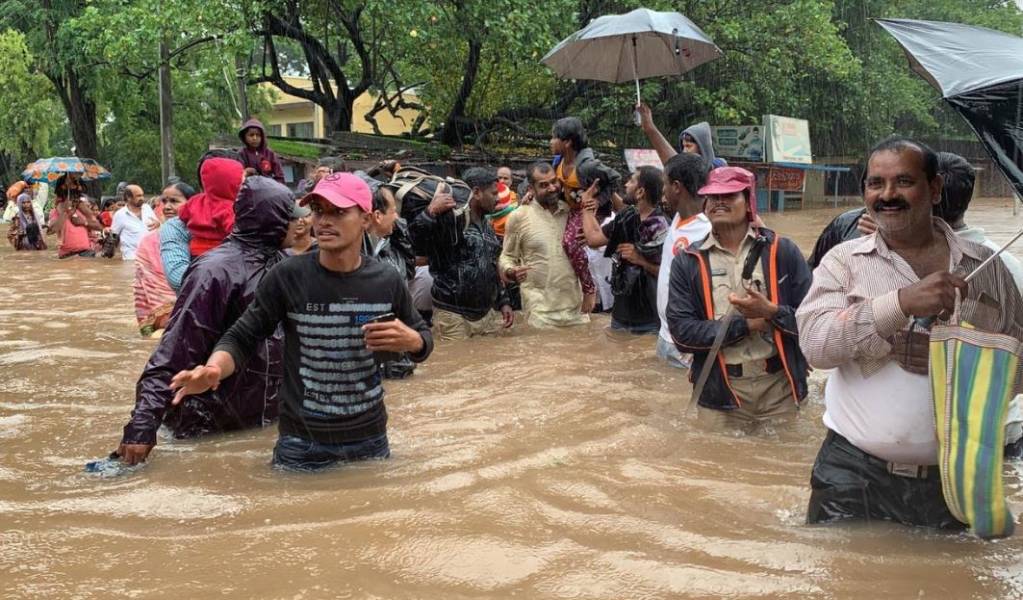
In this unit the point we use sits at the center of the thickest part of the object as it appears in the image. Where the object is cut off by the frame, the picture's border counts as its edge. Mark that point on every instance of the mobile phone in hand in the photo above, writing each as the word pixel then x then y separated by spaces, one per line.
pixel 383 357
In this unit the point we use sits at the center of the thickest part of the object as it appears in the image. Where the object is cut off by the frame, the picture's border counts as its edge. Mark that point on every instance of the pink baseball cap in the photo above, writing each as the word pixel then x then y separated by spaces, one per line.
pixel 342 190
pixel 728 180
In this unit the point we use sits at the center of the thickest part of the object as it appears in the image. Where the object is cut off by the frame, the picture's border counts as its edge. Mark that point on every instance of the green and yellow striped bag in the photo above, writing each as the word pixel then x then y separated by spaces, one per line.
pixel 974 375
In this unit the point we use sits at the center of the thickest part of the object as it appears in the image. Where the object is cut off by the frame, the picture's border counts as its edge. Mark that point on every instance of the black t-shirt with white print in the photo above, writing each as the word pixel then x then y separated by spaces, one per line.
pixel 332 390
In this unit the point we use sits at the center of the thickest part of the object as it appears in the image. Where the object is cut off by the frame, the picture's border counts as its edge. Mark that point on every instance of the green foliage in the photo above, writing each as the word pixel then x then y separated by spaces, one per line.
pixel 28 113
pixel 296 148
pixel 822 60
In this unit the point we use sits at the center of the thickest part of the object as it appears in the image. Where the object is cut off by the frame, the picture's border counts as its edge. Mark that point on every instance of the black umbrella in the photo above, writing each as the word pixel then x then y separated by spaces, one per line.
pixel 979 72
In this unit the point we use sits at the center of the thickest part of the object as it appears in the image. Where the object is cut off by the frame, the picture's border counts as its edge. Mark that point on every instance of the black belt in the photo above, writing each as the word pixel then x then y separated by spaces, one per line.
pixel 900 469
pixel 771 366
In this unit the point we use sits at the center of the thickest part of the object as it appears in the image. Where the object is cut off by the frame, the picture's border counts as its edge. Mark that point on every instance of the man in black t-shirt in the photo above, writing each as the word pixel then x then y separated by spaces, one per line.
pixel 633 240
pixel 338 307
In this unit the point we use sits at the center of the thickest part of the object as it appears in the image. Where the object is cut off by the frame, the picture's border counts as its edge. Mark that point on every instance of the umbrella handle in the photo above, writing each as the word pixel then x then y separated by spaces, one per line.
pixel 635 74
pixel 635 67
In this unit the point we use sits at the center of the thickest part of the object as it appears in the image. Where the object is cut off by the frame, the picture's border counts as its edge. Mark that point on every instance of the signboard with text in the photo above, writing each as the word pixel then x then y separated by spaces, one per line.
pixel 788 140
pixel 642 157
pixel 785 179
pixel 742 142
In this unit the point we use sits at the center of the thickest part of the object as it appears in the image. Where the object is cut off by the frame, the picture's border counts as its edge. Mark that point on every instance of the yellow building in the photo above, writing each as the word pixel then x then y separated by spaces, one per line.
pixel 297 117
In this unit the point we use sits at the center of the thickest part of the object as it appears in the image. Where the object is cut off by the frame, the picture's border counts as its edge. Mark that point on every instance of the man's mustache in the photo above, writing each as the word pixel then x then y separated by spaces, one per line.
pixel 894 203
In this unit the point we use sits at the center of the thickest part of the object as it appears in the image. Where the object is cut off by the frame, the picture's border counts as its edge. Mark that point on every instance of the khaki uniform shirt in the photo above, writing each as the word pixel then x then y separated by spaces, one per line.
pixel 726 278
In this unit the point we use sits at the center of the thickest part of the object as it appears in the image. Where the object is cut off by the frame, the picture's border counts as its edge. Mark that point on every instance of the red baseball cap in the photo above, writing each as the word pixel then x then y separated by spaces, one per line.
pixel 728 180
pixel 342 190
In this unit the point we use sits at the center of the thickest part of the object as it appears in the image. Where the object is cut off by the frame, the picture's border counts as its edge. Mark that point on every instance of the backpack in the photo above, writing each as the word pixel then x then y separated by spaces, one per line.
pixel 414 189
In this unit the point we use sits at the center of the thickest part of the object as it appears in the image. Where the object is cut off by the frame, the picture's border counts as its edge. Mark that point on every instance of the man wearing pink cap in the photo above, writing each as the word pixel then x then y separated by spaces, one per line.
pixel 337 308
pixel 759 373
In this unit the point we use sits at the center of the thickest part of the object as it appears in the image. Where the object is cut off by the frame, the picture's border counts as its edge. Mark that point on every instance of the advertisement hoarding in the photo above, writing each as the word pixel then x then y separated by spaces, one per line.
pixel 742 142
pixel 788 140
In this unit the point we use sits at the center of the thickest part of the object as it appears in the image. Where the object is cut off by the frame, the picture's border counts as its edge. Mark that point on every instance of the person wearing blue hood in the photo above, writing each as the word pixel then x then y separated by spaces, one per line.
pixel 219 286
pixel 696 139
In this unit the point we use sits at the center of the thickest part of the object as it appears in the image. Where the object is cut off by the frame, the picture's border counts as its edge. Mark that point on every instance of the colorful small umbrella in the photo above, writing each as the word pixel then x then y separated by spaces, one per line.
pixel 49 170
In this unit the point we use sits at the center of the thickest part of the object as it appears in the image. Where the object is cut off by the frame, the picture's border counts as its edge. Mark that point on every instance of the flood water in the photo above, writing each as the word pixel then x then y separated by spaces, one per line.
pixel 537 465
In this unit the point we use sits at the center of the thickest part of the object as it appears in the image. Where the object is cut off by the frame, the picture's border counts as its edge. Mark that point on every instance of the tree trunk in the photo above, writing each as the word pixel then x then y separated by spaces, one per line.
pixel 450 135
pixel 339 116
pixel 166 116
pixel 81 113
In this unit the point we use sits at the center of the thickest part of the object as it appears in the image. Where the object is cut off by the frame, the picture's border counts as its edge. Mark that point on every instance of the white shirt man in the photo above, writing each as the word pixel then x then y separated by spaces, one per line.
pixel 130 227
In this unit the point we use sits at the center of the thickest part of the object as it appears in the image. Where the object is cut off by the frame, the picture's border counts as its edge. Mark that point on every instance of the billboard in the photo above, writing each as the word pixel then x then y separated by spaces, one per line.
pixel 642 157
pixel 788 140
pixel 743 142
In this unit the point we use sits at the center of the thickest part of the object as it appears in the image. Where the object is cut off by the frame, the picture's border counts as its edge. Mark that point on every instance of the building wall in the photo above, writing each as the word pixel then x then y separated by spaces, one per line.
pixel 283 116
pixel 389 124
pixel 288 109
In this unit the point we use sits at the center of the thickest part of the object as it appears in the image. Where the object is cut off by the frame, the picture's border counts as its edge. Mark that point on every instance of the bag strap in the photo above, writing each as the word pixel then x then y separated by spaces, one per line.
pixel 408 186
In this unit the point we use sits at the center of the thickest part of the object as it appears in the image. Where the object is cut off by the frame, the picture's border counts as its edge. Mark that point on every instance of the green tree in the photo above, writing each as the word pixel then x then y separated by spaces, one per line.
pixel 62 59
pixel 28 114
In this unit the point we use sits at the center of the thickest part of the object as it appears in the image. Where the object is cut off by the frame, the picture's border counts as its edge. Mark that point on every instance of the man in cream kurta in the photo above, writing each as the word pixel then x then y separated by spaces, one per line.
pixel 533 255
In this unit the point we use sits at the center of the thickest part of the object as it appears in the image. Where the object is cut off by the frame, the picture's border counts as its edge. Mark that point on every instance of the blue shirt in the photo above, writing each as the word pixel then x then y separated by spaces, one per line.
pixel 174 239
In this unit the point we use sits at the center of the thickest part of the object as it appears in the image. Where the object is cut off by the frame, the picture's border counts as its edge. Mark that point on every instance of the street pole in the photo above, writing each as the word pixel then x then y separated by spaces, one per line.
pixel 166 112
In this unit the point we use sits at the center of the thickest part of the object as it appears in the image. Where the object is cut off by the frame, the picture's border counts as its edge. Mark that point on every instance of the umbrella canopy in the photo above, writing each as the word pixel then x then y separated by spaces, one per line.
pixel 49 170
pixel 633 46
pixel 979 72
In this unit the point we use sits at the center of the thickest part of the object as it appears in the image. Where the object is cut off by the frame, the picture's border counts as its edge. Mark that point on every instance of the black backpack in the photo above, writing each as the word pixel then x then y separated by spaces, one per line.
pixel 414 189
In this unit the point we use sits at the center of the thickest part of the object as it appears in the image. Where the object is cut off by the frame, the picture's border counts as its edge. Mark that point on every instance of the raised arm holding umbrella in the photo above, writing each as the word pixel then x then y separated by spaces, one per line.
pixel 637 45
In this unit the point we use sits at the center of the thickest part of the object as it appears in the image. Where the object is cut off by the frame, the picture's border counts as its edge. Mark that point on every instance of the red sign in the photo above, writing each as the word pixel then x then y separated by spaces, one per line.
pixel 785 180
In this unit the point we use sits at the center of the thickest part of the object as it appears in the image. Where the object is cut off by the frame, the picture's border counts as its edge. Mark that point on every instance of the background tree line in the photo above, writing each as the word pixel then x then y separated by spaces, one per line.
pixel 83 73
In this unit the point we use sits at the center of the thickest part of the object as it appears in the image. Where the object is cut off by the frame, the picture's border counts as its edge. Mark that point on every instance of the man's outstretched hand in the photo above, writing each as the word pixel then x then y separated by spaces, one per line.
pixel 194 381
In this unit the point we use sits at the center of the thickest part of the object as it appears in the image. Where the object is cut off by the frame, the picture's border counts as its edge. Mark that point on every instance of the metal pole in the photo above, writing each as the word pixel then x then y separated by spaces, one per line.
pixel 166 112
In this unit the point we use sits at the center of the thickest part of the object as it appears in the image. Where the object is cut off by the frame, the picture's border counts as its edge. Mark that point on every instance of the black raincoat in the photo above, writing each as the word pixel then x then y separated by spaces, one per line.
pixel 841 229
pixel 463 261
pixel 216 291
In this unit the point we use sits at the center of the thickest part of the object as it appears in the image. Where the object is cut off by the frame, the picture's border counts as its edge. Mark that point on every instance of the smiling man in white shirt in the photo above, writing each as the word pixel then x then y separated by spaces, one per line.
pixel 133 221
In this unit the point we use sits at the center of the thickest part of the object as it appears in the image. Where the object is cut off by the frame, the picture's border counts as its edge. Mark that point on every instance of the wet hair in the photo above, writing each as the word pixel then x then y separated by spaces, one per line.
pixel 957 189
pixel 649 178
pixel 898 145
pixel 538 167
pixel 479 177
pixel 690 170
pixel 380 202
pixel 217 153
pixel 571 130
pixel 186 190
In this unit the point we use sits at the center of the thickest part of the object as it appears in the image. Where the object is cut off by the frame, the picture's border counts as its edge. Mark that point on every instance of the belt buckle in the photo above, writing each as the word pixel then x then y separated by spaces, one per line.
pixel 911 471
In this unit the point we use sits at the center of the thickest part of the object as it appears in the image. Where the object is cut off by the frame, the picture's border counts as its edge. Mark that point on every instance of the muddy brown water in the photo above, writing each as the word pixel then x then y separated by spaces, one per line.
pixel 540 465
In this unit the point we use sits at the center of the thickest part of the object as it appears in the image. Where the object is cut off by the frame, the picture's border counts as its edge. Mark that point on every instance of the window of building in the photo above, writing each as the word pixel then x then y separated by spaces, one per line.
pixel 274 130
pixel 300 130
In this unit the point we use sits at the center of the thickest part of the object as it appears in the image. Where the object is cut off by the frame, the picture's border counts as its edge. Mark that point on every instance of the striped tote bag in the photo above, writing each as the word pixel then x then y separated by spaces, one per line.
pixel 974 374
